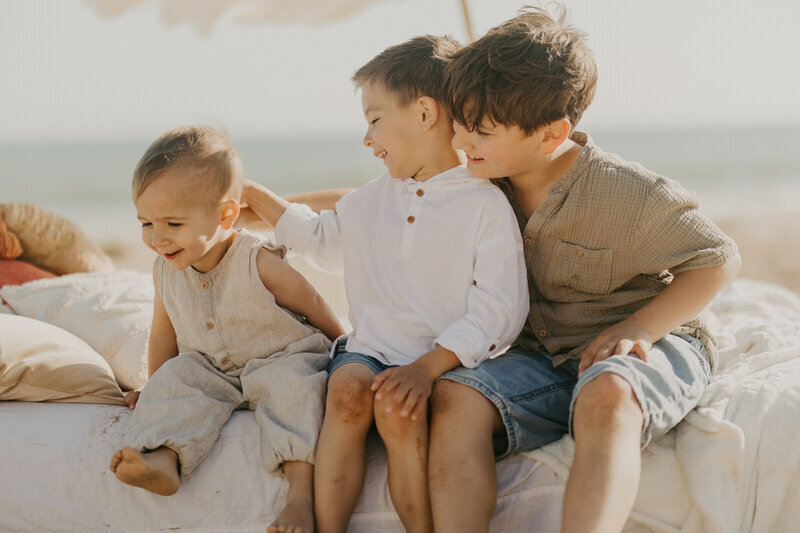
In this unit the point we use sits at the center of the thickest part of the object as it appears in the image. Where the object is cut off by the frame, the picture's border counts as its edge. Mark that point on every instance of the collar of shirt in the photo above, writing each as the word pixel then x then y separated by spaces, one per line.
pixel 451 176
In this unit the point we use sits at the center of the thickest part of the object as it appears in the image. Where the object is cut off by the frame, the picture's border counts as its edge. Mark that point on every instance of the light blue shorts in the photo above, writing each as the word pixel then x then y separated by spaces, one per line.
pixel 343 357
pixel 535 399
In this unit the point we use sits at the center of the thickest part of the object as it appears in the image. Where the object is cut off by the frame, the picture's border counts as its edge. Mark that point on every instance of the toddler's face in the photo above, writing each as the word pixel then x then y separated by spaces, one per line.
pixel 178 225
pixel 391 131
pixel 495 150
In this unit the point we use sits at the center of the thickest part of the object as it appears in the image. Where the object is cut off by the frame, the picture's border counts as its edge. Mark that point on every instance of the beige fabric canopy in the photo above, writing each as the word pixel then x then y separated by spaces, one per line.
pixel 202 14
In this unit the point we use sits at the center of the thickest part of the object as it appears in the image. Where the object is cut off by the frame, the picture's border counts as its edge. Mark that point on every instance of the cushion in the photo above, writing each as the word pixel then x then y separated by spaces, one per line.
pixel 52 242
pixel 15 272
pixel 110 311
pixel 40 362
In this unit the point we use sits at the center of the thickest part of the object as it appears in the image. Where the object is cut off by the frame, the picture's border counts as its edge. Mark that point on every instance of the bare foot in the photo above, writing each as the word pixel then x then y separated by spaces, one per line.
pixel 296 517
pixel 156 471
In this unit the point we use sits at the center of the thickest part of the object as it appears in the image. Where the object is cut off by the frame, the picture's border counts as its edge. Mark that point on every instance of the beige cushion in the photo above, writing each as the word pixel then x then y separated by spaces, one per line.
pixel 40 362
pixel 52 242
pixel 110 311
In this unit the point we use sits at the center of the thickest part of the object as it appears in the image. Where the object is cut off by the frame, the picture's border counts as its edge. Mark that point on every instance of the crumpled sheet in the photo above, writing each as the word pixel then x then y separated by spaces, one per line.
pixel 733 465
pixel 55 477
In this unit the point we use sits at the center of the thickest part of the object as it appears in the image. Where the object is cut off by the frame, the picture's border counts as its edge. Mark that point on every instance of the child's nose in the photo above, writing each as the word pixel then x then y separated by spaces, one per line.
pixel 367 139
pixel 459 136
pixel 157 238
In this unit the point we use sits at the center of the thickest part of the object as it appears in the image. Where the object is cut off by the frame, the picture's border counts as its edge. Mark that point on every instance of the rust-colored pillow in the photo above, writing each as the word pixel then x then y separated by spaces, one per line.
pixel 16 272
pixel 52 242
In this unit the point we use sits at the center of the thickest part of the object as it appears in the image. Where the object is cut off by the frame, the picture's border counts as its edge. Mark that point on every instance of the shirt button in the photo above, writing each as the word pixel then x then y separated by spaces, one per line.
pixel 225 361
pixel 411 220
pixel 209 325
pixel 580 253
pixel 420 192
pixel 492 347
pixel 528 242
pixel 204 284
pixel 543 333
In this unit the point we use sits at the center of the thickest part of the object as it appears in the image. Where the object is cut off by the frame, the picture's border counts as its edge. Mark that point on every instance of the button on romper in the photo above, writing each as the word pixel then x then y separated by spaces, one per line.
pixel 238 349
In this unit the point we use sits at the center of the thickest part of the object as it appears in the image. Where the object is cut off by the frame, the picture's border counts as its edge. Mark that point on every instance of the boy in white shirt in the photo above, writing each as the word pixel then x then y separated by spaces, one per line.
pixel 434 275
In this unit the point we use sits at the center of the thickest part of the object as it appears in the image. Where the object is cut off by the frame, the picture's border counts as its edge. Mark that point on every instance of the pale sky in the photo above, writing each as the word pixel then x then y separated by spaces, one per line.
pixel 67 74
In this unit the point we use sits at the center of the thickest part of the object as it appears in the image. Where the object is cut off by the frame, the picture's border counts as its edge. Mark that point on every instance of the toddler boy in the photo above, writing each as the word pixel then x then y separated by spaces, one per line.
pixel 233 324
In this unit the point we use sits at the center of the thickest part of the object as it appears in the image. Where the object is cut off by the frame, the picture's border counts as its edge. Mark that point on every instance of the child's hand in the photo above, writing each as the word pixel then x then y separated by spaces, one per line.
pixel 406 387
pixel 131 398
pixel 626 338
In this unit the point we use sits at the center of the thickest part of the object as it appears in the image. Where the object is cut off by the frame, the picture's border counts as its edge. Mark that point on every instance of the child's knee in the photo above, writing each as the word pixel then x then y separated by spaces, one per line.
pixel 392 426
pixel 350 397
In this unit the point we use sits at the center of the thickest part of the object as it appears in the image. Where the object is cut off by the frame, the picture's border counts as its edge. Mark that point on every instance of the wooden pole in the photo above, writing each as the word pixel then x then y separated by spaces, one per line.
pixel 467 23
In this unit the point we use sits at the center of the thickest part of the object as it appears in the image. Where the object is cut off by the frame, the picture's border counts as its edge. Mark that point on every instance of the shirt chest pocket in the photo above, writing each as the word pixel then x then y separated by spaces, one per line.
pixel 581 269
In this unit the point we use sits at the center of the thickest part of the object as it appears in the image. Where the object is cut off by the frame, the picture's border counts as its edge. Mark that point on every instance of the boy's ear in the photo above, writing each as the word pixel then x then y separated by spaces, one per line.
pixel 429 112
pixel 555 134
pixel 229 214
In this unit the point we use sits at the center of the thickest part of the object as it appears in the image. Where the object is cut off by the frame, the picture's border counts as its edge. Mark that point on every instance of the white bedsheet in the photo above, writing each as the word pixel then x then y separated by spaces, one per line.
pixel 733 465
pixel 55 477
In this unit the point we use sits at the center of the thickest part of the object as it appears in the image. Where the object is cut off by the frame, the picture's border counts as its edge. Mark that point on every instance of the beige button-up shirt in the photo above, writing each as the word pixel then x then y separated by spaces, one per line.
pixel 607 239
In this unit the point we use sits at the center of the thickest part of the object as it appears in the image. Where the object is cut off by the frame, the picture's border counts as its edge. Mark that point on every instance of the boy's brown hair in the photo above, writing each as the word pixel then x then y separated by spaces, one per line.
pixel 529 71
pixel 193 148
pixel 412 69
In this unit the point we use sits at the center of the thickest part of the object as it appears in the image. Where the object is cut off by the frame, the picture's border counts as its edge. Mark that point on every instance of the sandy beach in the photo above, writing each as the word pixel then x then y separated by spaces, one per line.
pixel 769 243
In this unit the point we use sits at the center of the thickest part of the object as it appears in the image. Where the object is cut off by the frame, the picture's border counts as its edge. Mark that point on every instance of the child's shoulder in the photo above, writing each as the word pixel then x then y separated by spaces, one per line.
pixel 609 173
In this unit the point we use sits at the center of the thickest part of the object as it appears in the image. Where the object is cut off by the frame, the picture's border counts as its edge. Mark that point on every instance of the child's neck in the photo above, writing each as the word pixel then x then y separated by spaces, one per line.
pixel 215 254
pixel 531 189
pixel 439 156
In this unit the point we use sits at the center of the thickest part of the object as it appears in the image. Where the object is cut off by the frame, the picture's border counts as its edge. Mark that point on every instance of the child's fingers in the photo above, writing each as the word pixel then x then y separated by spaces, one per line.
pixel 641 348
pixel 381 378
pixel 624 347
pixel 412 399
pixel 401 391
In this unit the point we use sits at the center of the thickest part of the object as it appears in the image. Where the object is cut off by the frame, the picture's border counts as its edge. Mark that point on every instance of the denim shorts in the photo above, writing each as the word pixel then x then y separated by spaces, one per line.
pixel 535 399
pixel 343 357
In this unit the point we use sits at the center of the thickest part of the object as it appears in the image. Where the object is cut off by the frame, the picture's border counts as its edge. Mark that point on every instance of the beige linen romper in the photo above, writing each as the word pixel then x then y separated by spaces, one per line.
pixel 238 349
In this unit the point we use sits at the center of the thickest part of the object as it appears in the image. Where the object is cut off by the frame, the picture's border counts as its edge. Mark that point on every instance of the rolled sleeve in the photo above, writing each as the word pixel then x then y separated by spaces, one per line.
pixel 498 299
pixel 676 236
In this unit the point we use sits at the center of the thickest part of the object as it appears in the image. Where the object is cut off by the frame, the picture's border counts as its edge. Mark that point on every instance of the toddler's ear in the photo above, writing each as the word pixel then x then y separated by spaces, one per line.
pixel 229 214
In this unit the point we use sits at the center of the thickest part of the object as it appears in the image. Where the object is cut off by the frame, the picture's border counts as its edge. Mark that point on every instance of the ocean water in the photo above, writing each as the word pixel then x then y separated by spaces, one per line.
pixel 735 172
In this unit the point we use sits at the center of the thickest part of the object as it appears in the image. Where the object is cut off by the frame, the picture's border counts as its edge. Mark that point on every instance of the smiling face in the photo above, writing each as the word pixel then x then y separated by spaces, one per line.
pixel 498 151
pixel 392 131
pixel 180 224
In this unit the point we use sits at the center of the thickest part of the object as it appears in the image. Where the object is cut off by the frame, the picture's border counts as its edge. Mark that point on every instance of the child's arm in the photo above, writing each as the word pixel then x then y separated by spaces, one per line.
pixel 688 293
pixel 410 385
pixel 263 207
pixel 162 344
pixel 292 291
pixel 263 203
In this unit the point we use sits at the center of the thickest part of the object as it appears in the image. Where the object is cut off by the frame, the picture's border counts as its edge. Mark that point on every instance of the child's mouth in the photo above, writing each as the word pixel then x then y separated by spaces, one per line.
pixel 474 159
pixel 172 256
pixel 381 154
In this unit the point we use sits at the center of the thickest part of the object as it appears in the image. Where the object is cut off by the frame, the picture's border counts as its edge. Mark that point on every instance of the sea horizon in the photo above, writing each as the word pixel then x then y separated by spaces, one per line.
pixel 734 171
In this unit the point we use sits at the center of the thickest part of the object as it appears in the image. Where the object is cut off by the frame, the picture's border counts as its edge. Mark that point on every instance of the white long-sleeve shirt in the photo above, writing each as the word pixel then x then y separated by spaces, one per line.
pixel 424 263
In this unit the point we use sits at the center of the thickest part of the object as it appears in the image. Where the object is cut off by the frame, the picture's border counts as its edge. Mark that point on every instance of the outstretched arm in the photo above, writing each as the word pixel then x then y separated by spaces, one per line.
pixel 262 207
pixel 688 293
pixel 292 291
